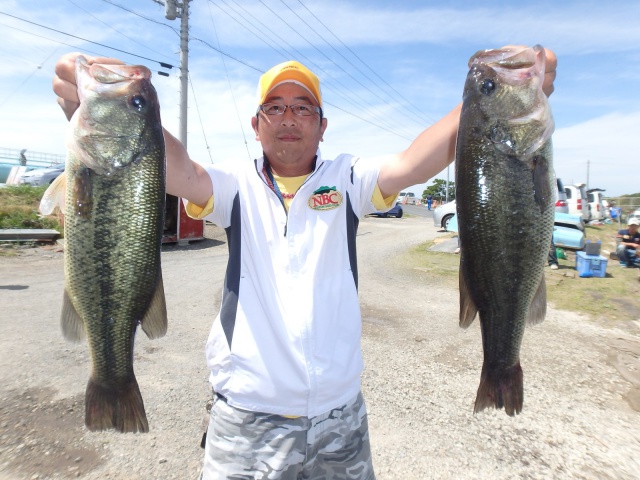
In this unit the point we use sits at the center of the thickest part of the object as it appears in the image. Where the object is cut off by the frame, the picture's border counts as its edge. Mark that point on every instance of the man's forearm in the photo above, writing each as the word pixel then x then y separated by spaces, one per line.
pixel 185 178
pixel 428 154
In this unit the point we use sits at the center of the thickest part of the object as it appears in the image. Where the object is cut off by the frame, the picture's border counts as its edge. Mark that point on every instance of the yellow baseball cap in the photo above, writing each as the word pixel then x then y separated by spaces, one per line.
pixel 293 72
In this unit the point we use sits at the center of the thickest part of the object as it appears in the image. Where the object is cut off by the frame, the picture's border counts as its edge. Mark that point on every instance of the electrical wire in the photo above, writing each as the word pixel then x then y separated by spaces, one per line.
pixel 195 101
pixel 87 50
pixel 365 64
pixel 166 65
pixel 354 98
pixel 115 30
pixel 385 101
pixel 233 97
pixel 142 16
pixel 163 64
pixel 23 83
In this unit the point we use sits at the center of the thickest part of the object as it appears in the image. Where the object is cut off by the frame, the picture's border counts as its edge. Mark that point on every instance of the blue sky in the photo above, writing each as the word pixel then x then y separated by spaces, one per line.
pixel 389 69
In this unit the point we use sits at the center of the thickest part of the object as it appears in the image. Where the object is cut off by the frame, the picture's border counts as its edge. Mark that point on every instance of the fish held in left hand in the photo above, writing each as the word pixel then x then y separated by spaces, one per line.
pixel 114 202
pixel 505 205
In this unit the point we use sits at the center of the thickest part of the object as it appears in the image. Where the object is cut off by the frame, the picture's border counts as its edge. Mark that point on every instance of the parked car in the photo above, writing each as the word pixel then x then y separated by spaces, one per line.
pixel 561 198
pixel 443 214
pixel 41 176
pixel 395 211
pixel 577 200
pixel 597 208
pixel 407 198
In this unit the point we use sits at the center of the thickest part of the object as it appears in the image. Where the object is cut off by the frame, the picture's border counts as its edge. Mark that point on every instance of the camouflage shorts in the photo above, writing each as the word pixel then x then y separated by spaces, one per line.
pixel 243 445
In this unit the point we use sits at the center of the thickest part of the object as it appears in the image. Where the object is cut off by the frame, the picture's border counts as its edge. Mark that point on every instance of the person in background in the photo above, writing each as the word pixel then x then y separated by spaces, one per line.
pixel 628 244
pixel 284 351
pixel 429 201
pixel 553 257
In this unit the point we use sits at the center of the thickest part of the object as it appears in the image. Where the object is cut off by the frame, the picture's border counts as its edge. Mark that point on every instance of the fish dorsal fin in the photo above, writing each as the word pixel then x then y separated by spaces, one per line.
pixel 54 196
pixel 154 323
pixel 72 325
pixel 538 308
pixel 468 309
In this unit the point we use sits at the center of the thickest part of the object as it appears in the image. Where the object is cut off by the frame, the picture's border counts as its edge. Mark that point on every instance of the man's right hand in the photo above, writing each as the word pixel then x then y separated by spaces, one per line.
pixel 64 83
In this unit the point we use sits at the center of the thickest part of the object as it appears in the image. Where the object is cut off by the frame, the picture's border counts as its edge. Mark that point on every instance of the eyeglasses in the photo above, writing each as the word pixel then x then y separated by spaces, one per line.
pixel 279 109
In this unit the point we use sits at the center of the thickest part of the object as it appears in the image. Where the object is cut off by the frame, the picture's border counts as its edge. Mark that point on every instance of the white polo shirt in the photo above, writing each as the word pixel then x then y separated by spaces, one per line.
pixel 287 338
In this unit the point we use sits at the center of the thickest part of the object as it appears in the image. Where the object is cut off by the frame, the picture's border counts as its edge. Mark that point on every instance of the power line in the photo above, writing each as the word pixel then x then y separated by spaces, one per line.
pixel 141 16
pixel 353 98
pixel 115 30
pixel 204 135
pixel 335 50
pixel 244 137
pixel 163 64
pixel 363 103
pixel 364 63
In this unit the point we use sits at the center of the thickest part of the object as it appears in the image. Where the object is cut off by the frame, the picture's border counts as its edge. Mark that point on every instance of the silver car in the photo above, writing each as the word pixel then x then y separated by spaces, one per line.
pixel 443 214
pixel 41 176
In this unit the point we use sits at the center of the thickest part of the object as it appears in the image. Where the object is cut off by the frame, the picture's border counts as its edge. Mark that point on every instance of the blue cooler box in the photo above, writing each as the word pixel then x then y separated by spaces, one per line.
pixel 591 265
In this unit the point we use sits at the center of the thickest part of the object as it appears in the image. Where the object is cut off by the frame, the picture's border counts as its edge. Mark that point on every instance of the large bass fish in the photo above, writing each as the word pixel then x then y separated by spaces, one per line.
pixel 505 205
pixel 114 214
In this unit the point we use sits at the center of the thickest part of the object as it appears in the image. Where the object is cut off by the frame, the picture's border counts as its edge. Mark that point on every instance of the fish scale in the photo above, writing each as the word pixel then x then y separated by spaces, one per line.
pixel 505 203
pixel 114 185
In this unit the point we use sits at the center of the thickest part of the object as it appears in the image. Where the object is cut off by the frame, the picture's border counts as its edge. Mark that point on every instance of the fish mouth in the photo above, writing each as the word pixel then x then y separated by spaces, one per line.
pixel 114 79
pixel 510 57
pixel 515 65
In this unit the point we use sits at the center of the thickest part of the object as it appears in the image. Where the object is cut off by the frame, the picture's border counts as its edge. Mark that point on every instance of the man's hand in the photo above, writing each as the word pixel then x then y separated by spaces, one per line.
pixel 549 72
pixel 64 83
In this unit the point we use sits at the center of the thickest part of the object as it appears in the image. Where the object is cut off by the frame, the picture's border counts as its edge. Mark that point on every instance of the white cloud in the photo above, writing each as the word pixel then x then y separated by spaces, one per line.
pixel 610 146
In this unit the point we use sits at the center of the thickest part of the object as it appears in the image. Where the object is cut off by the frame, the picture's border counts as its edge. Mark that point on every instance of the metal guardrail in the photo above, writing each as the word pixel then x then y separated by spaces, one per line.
pixel 627 204
pixel 12 157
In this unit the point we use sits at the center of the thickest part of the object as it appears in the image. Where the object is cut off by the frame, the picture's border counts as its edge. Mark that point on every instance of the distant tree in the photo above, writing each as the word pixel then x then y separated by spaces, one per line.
pixel 439 190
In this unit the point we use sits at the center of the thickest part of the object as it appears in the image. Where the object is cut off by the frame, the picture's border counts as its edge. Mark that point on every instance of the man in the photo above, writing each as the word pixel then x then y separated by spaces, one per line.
pixel 284 351
pixel 628 244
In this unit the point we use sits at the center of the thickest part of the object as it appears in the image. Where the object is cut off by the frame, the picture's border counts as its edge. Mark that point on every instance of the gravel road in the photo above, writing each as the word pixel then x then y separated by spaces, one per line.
pixel 582 380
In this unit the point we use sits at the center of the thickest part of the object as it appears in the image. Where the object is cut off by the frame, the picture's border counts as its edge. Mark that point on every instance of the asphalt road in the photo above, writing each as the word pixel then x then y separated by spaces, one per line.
pixel 418 210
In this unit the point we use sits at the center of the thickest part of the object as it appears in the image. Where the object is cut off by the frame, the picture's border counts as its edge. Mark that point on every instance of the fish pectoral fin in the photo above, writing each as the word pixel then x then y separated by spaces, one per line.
pixel 154 323
pixel 72 324
pixel 541 183
pixel 468 309
pixel 54 196
pixel 538 308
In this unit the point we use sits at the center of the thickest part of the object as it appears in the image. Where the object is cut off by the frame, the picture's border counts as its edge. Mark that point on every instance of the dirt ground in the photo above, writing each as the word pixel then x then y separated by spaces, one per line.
pixel 582 378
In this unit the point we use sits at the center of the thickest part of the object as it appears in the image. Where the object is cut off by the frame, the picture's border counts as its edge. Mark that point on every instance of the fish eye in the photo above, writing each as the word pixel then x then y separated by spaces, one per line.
pixel 487 87
pixel 138 102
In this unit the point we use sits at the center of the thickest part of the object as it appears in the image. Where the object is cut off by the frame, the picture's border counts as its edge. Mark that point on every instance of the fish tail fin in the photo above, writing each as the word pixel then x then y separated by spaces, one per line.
pixel 120 408
pixel 501 388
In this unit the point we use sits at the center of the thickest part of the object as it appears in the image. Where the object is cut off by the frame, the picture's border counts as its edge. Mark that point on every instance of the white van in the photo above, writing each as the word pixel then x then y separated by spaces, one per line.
pixel 597 209
pixel 407 198
pixel 577 200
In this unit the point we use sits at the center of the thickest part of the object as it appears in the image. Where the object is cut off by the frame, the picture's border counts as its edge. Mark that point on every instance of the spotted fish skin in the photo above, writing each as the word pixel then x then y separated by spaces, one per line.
pixel 505 206
pixel 114 216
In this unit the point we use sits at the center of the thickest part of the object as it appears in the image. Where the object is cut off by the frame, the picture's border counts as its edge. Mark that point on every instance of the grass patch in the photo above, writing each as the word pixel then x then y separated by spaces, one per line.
pixel 615 297
pixel 19 208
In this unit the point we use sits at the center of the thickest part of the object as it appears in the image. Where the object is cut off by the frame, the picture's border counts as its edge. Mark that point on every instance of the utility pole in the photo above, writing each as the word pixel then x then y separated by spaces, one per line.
pixel 175 9
pixel 446 193
pixel 588 162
